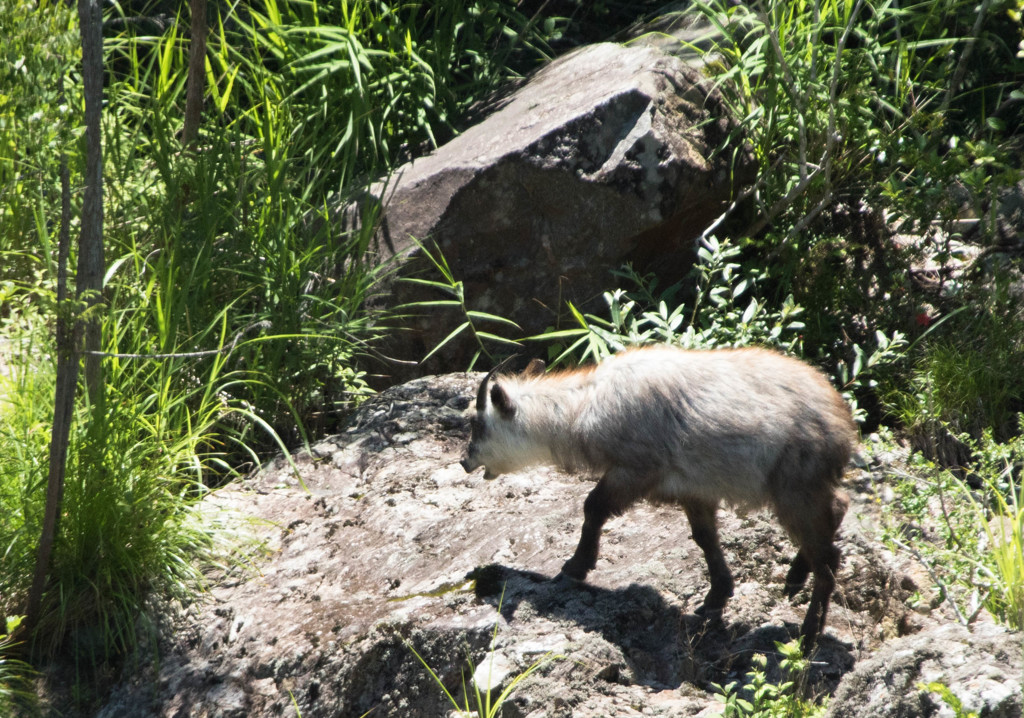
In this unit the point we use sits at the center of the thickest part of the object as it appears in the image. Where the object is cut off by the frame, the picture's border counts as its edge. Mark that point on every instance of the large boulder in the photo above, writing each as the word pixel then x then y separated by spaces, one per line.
pixel 382 544
pixel 605 156
pixel 981 668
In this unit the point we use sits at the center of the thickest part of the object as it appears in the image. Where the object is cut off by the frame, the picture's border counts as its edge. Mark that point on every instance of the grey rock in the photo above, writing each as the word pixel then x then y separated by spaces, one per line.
pixel 381 544
pixel 605 156
pixel 982 667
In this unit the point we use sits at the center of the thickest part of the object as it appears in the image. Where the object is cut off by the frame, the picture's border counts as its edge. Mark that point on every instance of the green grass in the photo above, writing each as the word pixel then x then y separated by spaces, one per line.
pixel 965 380
pixel 479 701
pixel 14 674
pixel 1001 514
pixel 39 45
pixel 845 98
pixel 138 462
pixel 971 541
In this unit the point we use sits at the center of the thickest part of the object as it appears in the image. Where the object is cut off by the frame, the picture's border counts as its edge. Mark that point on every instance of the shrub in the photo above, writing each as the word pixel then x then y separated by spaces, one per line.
pixel 724 311
pixel 760 698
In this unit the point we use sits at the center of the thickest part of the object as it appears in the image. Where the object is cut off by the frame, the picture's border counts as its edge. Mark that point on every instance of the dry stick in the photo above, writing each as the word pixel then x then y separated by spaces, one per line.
pixel 938 581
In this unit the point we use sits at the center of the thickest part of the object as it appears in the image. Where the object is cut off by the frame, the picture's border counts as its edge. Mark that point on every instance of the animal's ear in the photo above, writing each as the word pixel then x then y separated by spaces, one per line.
pixel 536 367
pixel 481 394
pixel 502 401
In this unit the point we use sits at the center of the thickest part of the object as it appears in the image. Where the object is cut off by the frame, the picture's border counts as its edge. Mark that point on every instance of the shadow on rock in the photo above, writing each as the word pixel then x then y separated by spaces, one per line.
pixel 662 646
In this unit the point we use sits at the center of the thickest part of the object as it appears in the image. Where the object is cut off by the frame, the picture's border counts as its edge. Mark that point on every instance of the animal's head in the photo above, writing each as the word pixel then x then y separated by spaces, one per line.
pixel 496 436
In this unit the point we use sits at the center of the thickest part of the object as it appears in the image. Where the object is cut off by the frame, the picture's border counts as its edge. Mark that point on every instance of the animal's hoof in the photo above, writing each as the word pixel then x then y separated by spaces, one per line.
pixel 573 571
pixel 792 589
pixel 709 614
pixel 563 577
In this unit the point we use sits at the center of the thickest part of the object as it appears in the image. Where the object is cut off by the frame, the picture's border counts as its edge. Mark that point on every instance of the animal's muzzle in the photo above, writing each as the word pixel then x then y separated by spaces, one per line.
pixel 470 465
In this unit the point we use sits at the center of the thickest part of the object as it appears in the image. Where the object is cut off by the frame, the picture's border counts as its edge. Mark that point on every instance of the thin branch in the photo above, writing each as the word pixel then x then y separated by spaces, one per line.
pixel 196 73
pixel 806 220
pixel 234 344
pixel 187 355
pixel 783 203
pixel 741 197
pixel 938 581
pixel 63 405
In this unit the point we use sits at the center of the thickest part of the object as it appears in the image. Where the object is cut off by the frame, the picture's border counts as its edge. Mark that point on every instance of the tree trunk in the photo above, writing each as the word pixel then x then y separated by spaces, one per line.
pixel 89 283
pixel 196 73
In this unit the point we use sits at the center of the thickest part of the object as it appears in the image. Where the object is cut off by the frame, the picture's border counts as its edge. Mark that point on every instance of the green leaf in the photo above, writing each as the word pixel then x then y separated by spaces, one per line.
pixel 560 334
pixel 858 360
pixel 455 332
pixel 579 317
pixel 748 314
pixel 484 316
pixel 499 339
pixel 995 123
pixel 447 287
pixel 432 303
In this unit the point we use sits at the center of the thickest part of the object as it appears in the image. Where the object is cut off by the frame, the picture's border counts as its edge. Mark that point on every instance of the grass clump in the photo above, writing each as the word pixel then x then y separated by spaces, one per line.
pixel 138 462
pixel 235 309
pixel 484 705
pixel 963 378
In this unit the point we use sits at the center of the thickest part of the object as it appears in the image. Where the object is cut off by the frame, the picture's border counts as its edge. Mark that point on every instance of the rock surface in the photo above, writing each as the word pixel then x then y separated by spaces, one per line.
pixel 389 547
pixel 605 156
pixel 981 667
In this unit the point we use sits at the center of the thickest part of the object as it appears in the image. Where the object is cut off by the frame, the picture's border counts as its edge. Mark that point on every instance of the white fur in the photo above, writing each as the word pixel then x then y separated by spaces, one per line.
pixel 705 424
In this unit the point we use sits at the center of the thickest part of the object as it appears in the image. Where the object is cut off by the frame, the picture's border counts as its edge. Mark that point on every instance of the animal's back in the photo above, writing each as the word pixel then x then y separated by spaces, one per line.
pixel 722 424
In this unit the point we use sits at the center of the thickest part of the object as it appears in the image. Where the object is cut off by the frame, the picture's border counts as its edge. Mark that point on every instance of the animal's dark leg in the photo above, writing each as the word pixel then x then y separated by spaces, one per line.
pixel 826 564
pixel 814 528
pixel 799 570
pixel 613 494
pixel 704 528
pixel 800 567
